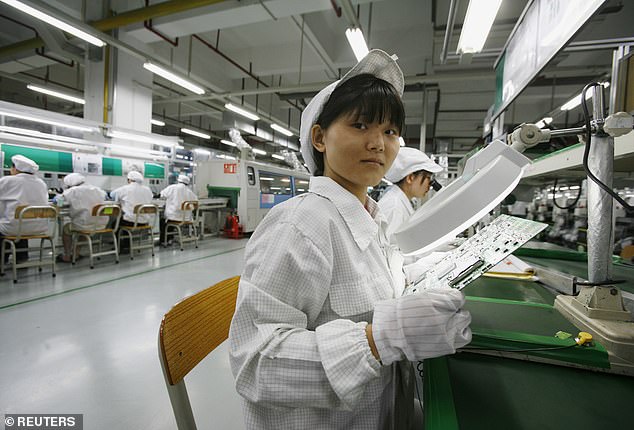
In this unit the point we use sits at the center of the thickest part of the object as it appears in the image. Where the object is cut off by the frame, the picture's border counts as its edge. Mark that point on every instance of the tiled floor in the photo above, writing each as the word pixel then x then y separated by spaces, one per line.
pixel 86 341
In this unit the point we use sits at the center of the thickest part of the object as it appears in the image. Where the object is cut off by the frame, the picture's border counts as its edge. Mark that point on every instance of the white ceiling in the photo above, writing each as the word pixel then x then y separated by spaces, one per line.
pixel 298 45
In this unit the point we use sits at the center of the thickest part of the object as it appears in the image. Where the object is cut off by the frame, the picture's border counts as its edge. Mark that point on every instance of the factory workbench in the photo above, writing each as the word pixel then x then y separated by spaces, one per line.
pixel 487 391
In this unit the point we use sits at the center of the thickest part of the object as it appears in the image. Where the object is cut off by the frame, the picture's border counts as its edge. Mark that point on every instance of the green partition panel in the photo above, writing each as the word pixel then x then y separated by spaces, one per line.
pixel 154 170
pixel 112 166
pixel 50 161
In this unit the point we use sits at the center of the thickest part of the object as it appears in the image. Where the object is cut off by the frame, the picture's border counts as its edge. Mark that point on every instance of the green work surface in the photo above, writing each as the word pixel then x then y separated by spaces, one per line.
pixel 510 289
pixel 498 393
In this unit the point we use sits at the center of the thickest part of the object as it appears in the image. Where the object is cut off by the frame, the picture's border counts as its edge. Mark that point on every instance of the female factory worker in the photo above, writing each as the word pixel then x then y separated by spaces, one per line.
pixel 318 336
pixel 411 175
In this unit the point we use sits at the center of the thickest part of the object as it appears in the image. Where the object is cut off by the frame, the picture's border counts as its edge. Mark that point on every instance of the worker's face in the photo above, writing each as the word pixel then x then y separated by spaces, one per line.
pixel 420 184
pixel 357 154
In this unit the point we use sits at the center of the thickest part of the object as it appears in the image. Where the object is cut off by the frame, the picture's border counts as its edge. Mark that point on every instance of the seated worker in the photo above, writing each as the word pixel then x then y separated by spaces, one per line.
pixel 135 193
pixel 411 176
pixel 81 198
pixel 175 195
pixel 321 337
pixel 19 189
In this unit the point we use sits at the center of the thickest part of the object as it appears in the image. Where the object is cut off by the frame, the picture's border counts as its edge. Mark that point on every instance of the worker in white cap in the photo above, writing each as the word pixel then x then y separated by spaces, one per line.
pixel 22 188
pixel 81 199
pixel 411 176
pixel 320 337
pixel 175 195
pixel 135 193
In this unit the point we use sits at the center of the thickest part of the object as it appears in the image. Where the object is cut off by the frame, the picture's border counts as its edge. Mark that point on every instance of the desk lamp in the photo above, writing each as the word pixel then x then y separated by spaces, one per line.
pixel 488 177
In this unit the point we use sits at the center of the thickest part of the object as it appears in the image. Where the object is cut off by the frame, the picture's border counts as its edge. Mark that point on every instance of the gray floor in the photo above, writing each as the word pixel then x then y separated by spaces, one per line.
pixel 86 341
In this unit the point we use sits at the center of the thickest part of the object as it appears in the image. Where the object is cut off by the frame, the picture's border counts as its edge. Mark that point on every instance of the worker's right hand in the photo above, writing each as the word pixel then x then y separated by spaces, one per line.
pixel 427 324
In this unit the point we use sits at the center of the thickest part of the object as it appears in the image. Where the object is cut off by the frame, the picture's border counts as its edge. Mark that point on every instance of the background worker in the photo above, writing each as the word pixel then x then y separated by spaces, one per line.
pixel 22 188
pixel 175 195
pixel 135 193
pixel 81 198
pixel 411 176
pixel 320 337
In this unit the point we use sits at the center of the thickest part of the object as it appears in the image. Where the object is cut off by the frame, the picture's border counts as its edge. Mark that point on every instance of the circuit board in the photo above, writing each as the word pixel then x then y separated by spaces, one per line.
pixel 478 254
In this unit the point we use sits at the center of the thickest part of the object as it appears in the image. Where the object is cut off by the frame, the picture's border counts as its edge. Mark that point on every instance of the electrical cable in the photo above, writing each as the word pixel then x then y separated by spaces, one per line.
pixel 571 205
pixel 586 151
pixel 420 372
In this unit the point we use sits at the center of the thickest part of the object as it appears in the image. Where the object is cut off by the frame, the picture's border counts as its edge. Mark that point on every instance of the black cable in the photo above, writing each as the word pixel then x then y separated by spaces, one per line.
pixel 419 367
pixel 586 151
pixel 571 204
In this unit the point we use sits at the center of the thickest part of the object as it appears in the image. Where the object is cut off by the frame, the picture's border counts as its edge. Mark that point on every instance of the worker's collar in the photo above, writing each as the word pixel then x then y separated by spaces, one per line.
pixel 360 220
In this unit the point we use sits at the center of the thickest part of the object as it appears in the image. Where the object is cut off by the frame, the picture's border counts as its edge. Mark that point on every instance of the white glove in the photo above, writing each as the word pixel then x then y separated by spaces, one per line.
pixel 414 271
pixel 422 325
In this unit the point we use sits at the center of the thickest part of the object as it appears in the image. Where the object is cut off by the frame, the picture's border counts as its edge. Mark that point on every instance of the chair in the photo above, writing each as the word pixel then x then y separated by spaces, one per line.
pixel 22 213
pixel 139 231
pixel 173 227
pixel 113 212
pixel 189 332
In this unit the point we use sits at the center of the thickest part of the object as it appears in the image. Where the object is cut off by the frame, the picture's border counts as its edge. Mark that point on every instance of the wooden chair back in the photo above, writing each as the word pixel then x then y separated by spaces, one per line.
pixel 195 327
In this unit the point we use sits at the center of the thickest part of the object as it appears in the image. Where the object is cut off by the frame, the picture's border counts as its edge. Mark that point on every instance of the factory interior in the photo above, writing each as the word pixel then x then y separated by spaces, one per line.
pixel 534 206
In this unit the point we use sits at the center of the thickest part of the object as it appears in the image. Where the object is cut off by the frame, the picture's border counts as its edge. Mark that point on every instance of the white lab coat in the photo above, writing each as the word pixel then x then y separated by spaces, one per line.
pixel 18 190
pixel 81 199
pixel 314 268
pixel 175 195
pixel 396 208
pixel 131 195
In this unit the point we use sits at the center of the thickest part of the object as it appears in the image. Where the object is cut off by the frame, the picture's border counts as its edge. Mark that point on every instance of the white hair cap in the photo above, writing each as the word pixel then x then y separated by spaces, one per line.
pixel 24 164
pixel 135 176
pixel 377 63
pixel 183 179
pixel 410 160
pixel 74 179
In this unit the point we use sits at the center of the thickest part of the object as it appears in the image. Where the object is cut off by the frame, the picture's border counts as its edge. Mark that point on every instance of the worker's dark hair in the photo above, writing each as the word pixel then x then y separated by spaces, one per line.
pixel 417 173
pixel 363 96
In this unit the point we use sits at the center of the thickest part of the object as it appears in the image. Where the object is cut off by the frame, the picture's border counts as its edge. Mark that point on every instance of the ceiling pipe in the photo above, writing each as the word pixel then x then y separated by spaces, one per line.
pixel 314 87
pixel 121 20
pixel 236 64
pixel 453 8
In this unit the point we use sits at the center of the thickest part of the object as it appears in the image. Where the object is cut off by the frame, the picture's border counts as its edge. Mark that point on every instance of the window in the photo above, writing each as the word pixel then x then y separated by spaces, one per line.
pixel 274 183
pixel 251 175
pixel 301 186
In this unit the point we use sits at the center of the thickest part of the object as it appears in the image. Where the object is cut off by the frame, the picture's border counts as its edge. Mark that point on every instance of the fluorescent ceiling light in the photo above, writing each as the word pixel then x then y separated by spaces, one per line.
pixel 279 157
pixel 153 140
pixel 230 157
pixel 56 94
pixel 201 151
pixel 544 122
pixel 227 142
pixel 195 133
pixel 47 121
pixel 477 24
pixel 174 78
pixel 242 112
pixel 265 178
pixel 39 134
pixel 276 188
pixel 357 42
pixel 157 122
pixel 258 151
pixel 282 130
pixel 42 16
pixel 576 101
